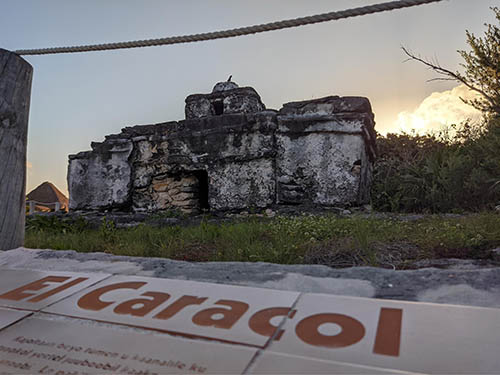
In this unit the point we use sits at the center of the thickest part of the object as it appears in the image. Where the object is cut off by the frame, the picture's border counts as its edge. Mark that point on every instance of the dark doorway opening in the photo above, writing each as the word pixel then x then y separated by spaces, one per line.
pixel 356 167
pixel 218 107
pixel 202 177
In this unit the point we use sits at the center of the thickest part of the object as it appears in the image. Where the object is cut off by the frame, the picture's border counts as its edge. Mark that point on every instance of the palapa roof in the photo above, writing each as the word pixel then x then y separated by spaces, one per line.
pixel 48 193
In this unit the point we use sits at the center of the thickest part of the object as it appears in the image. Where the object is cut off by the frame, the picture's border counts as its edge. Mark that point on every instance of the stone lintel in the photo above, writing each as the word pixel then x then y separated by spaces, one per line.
pixel 327 105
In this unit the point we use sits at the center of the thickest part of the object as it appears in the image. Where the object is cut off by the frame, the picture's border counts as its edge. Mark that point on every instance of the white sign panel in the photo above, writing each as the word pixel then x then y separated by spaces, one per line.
pixel 226 313
pixel 273 363
pixel 38 346
pixel 7 316
pixel 34 290
pixel 415 337
pixel 334 332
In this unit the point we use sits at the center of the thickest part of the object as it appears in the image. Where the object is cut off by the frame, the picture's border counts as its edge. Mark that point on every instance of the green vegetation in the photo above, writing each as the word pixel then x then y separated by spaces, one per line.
pixel 435 174
pixel 482 68
pixel 332 240
pixel 439 173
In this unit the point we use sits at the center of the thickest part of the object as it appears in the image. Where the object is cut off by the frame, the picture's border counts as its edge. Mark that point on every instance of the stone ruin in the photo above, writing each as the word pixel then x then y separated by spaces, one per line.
pixel 231 153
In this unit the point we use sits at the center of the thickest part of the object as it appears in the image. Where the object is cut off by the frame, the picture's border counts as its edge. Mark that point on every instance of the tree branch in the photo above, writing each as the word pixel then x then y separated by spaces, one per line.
pixel 453 76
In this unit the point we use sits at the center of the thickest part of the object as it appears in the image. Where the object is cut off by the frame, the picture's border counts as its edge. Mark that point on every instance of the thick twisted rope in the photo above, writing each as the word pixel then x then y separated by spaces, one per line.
pixel 285 24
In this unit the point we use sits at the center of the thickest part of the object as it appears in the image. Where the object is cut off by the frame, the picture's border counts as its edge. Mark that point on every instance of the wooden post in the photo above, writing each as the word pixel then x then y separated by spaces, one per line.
pixel 32 207
pixel 15 92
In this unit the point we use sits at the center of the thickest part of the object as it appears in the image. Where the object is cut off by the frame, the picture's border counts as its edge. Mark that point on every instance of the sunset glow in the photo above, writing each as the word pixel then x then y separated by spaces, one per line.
pixel 438 112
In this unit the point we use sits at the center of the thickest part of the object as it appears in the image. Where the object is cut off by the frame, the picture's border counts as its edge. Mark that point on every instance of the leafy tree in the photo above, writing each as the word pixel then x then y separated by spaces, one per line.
pixel 435 173
pixel 482 68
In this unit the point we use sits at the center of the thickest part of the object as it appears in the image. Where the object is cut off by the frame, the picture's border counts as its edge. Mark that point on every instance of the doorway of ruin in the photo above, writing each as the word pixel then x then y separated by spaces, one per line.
pixel 203 187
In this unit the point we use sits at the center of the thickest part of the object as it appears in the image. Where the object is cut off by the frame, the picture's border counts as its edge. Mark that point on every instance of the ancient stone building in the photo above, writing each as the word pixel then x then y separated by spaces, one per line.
pixel 232 153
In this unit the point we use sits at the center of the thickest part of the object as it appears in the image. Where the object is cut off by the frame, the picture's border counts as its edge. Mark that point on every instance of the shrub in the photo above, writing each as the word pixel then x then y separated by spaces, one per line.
pixel 435 173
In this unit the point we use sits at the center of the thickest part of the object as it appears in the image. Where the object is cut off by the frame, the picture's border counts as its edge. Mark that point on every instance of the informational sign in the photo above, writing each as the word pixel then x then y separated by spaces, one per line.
pixel 335 334
pixel 33 290
pixel 227 313
pixel 37 346
pixel 7 316
pixel 407 336
pixel 273 363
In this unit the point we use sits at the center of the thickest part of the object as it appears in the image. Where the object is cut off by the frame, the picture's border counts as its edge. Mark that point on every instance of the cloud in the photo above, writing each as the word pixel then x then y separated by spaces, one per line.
pixel 438 111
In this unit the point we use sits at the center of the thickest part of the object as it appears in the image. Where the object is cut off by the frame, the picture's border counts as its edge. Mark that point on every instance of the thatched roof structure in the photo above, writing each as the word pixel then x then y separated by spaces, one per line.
pixel 46 195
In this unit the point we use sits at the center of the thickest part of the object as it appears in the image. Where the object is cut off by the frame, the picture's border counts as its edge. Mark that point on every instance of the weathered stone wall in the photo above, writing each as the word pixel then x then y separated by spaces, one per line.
pixel 164 163
pixel 243 185
pixel 227 99
pixel 313 152
pixel 323 151
pixel 101 178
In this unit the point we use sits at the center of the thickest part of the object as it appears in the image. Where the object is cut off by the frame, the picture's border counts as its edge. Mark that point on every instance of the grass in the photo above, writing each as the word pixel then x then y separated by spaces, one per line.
pixel 326 239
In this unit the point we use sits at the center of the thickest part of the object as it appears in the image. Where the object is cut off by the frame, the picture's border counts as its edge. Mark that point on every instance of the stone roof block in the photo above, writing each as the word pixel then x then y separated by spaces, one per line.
pixel 226 98
pixel 327 106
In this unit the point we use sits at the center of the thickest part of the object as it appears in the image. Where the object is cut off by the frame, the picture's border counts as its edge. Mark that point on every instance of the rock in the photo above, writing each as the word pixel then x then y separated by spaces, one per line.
pixel 291 196
pixel 284 180
pixel 185 189
pixel 161 186
pixel 225 99
pixel 224 86
pixel 270 213
pixel 471 284
pixel 445 263
pixel 175 191
pixel 102 178
pixel 495 254
pixel 189 182
pixel 185 203
pixel 328 106
pixel 338 134
pixel 163 221
pixel 183 197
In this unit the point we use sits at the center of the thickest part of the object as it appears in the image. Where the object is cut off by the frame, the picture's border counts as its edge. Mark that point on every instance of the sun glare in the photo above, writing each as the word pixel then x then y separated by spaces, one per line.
pixel 410 122
pixel 438 112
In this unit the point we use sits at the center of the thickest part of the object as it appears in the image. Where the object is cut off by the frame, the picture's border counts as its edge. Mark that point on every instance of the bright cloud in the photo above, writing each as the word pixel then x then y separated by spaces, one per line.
pixel 438 111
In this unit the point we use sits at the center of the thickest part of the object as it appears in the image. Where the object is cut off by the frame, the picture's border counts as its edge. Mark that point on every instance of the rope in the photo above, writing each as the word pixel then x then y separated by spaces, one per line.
pixel 285 24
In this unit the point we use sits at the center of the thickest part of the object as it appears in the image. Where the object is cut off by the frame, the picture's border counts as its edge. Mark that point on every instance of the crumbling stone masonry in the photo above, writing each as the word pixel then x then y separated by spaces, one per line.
pixel 232 153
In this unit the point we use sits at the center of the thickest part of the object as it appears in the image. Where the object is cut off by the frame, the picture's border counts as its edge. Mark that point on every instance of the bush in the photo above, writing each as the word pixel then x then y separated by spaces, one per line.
pixel 435 173
pixel 54 224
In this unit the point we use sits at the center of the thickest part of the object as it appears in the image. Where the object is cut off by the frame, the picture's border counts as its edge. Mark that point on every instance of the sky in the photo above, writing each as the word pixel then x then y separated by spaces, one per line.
pixel 80 98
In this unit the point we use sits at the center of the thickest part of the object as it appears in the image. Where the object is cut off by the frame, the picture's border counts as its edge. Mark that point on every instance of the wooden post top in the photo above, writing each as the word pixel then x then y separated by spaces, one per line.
pixel 15 93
